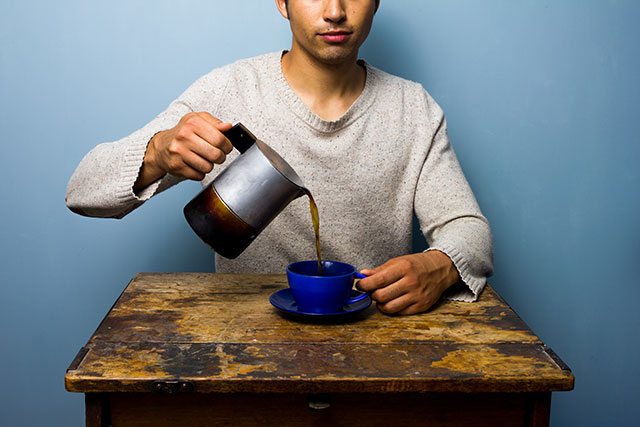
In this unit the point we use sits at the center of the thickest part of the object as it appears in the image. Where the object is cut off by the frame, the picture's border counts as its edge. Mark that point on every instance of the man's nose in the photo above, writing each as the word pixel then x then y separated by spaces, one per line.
pixel 334 11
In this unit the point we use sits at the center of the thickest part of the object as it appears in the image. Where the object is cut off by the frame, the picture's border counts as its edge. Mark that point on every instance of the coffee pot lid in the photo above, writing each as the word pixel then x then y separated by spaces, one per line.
pixel 279 163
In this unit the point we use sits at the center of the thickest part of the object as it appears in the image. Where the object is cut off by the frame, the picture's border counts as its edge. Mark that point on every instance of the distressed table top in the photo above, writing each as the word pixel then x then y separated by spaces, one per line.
pixel 219 333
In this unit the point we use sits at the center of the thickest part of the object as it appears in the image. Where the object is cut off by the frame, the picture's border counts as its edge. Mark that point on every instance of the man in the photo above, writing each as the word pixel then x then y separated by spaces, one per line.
pixel 371 147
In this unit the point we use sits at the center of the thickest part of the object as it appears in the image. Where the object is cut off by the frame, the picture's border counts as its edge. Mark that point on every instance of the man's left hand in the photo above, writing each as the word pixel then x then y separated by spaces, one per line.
pixel 410 284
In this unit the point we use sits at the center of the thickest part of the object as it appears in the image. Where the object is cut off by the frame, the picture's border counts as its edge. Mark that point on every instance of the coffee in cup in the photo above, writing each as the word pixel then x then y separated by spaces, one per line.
pixel 327 291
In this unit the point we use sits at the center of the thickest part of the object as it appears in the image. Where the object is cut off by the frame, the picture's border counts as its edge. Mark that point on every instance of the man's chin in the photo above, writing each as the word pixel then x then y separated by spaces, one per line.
pixel 338 56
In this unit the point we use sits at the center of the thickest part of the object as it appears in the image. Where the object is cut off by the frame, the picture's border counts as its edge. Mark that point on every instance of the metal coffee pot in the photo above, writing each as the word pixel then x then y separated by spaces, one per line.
pixel 244 198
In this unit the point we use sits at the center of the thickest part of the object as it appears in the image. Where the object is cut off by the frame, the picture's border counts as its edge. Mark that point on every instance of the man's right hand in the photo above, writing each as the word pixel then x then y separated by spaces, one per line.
pixel 188 150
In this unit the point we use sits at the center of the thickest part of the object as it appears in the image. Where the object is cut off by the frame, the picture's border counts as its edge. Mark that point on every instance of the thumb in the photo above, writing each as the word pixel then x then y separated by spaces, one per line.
pixel 223 126
pixel 214 121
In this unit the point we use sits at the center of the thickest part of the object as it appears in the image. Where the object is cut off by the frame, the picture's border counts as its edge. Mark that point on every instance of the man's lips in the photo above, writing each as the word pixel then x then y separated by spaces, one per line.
pixel 335 36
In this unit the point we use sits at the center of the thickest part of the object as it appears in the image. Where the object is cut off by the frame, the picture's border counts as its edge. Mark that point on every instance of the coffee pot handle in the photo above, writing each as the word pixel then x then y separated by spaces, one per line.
pixel 240 137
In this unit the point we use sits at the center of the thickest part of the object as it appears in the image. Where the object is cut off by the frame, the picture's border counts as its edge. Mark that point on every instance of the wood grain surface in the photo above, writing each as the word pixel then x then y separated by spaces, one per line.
pixel 219 333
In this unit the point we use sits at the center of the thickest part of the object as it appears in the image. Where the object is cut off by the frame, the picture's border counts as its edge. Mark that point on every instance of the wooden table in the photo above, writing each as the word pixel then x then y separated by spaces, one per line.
pixel 209 349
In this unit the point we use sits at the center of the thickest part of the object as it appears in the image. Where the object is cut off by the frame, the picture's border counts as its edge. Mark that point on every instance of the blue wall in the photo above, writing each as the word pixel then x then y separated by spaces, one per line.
pixel 540 97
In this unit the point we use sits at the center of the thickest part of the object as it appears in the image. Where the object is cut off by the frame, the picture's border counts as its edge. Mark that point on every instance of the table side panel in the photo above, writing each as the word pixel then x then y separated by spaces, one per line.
pixel 363 409
pixel 335 367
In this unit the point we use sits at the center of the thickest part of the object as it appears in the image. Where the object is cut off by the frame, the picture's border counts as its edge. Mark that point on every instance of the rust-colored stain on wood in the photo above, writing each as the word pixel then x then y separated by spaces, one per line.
pixel 220 333
pixel 487 361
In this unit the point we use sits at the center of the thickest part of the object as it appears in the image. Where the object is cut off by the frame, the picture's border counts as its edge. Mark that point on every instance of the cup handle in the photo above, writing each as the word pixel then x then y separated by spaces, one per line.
pixel 362 295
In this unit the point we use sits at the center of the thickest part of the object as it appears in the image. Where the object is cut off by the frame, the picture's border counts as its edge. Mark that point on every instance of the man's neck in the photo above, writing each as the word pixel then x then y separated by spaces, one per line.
pixel 328 90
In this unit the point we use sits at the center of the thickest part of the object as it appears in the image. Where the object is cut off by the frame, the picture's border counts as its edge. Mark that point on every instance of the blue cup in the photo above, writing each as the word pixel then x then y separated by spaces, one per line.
pixel 325 293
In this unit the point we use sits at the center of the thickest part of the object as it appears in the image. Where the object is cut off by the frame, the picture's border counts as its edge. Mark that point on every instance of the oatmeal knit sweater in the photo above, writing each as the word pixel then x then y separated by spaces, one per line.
pixel 387 157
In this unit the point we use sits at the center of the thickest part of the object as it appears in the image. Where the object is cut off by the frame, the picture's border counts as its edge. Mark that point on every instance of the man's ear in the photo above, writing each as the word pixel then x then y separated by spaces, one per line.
pixel 283 8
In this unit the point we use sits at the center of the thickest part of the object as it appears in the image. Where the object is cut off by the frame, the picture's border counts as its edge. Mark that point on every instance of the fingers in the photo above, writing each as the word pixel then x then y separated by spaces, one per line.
pixel 391 292
pixel 408 303
pixel 197 163
pixel 380 277
pixel 396 305
pixel 397 287
pixel 213 133
pixel 179 167
pixel 391 297
pixel 414 308
pixel 214 121
pixel 400 286
pixel 193 147
pixel 203 149
pixel 209 129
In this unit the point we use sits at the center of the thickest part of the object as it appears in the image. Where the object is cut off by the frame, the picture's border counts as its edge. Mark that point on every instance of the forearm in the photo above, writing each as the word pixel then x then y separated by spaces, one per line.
pixel 450 217
pixel 467 242
pixel 103 183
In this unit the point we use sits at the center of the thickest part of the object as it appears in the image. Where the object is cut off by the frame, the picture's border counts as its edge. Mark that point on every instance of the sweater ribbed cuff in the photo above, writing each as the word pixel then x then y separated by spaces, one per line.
pixel 474 285
pixel 131 164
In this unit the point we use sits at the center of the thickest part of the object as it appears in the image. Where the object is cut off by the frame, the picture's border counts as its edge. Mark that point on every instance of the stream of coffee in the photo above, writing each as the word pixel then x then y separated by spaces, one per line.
pixel 315 218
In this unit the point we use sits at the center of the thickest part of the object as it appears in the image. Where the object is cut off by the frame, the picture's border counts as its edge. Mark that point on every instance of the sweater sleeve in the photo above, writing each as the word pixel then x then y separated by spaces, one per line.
pixel 102 184
pixel 450 217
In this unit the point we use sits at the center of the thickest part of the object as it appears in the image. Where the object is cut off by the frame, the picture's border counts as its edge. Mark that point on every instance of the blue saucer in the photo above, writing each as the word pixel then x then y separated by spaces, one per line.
pixel 283 301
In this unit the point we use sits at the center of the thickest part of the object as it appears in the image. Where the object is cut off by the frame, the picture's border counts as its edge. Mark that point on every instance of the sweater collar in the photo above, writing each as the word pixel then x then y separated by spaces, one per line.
pixel 293 101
